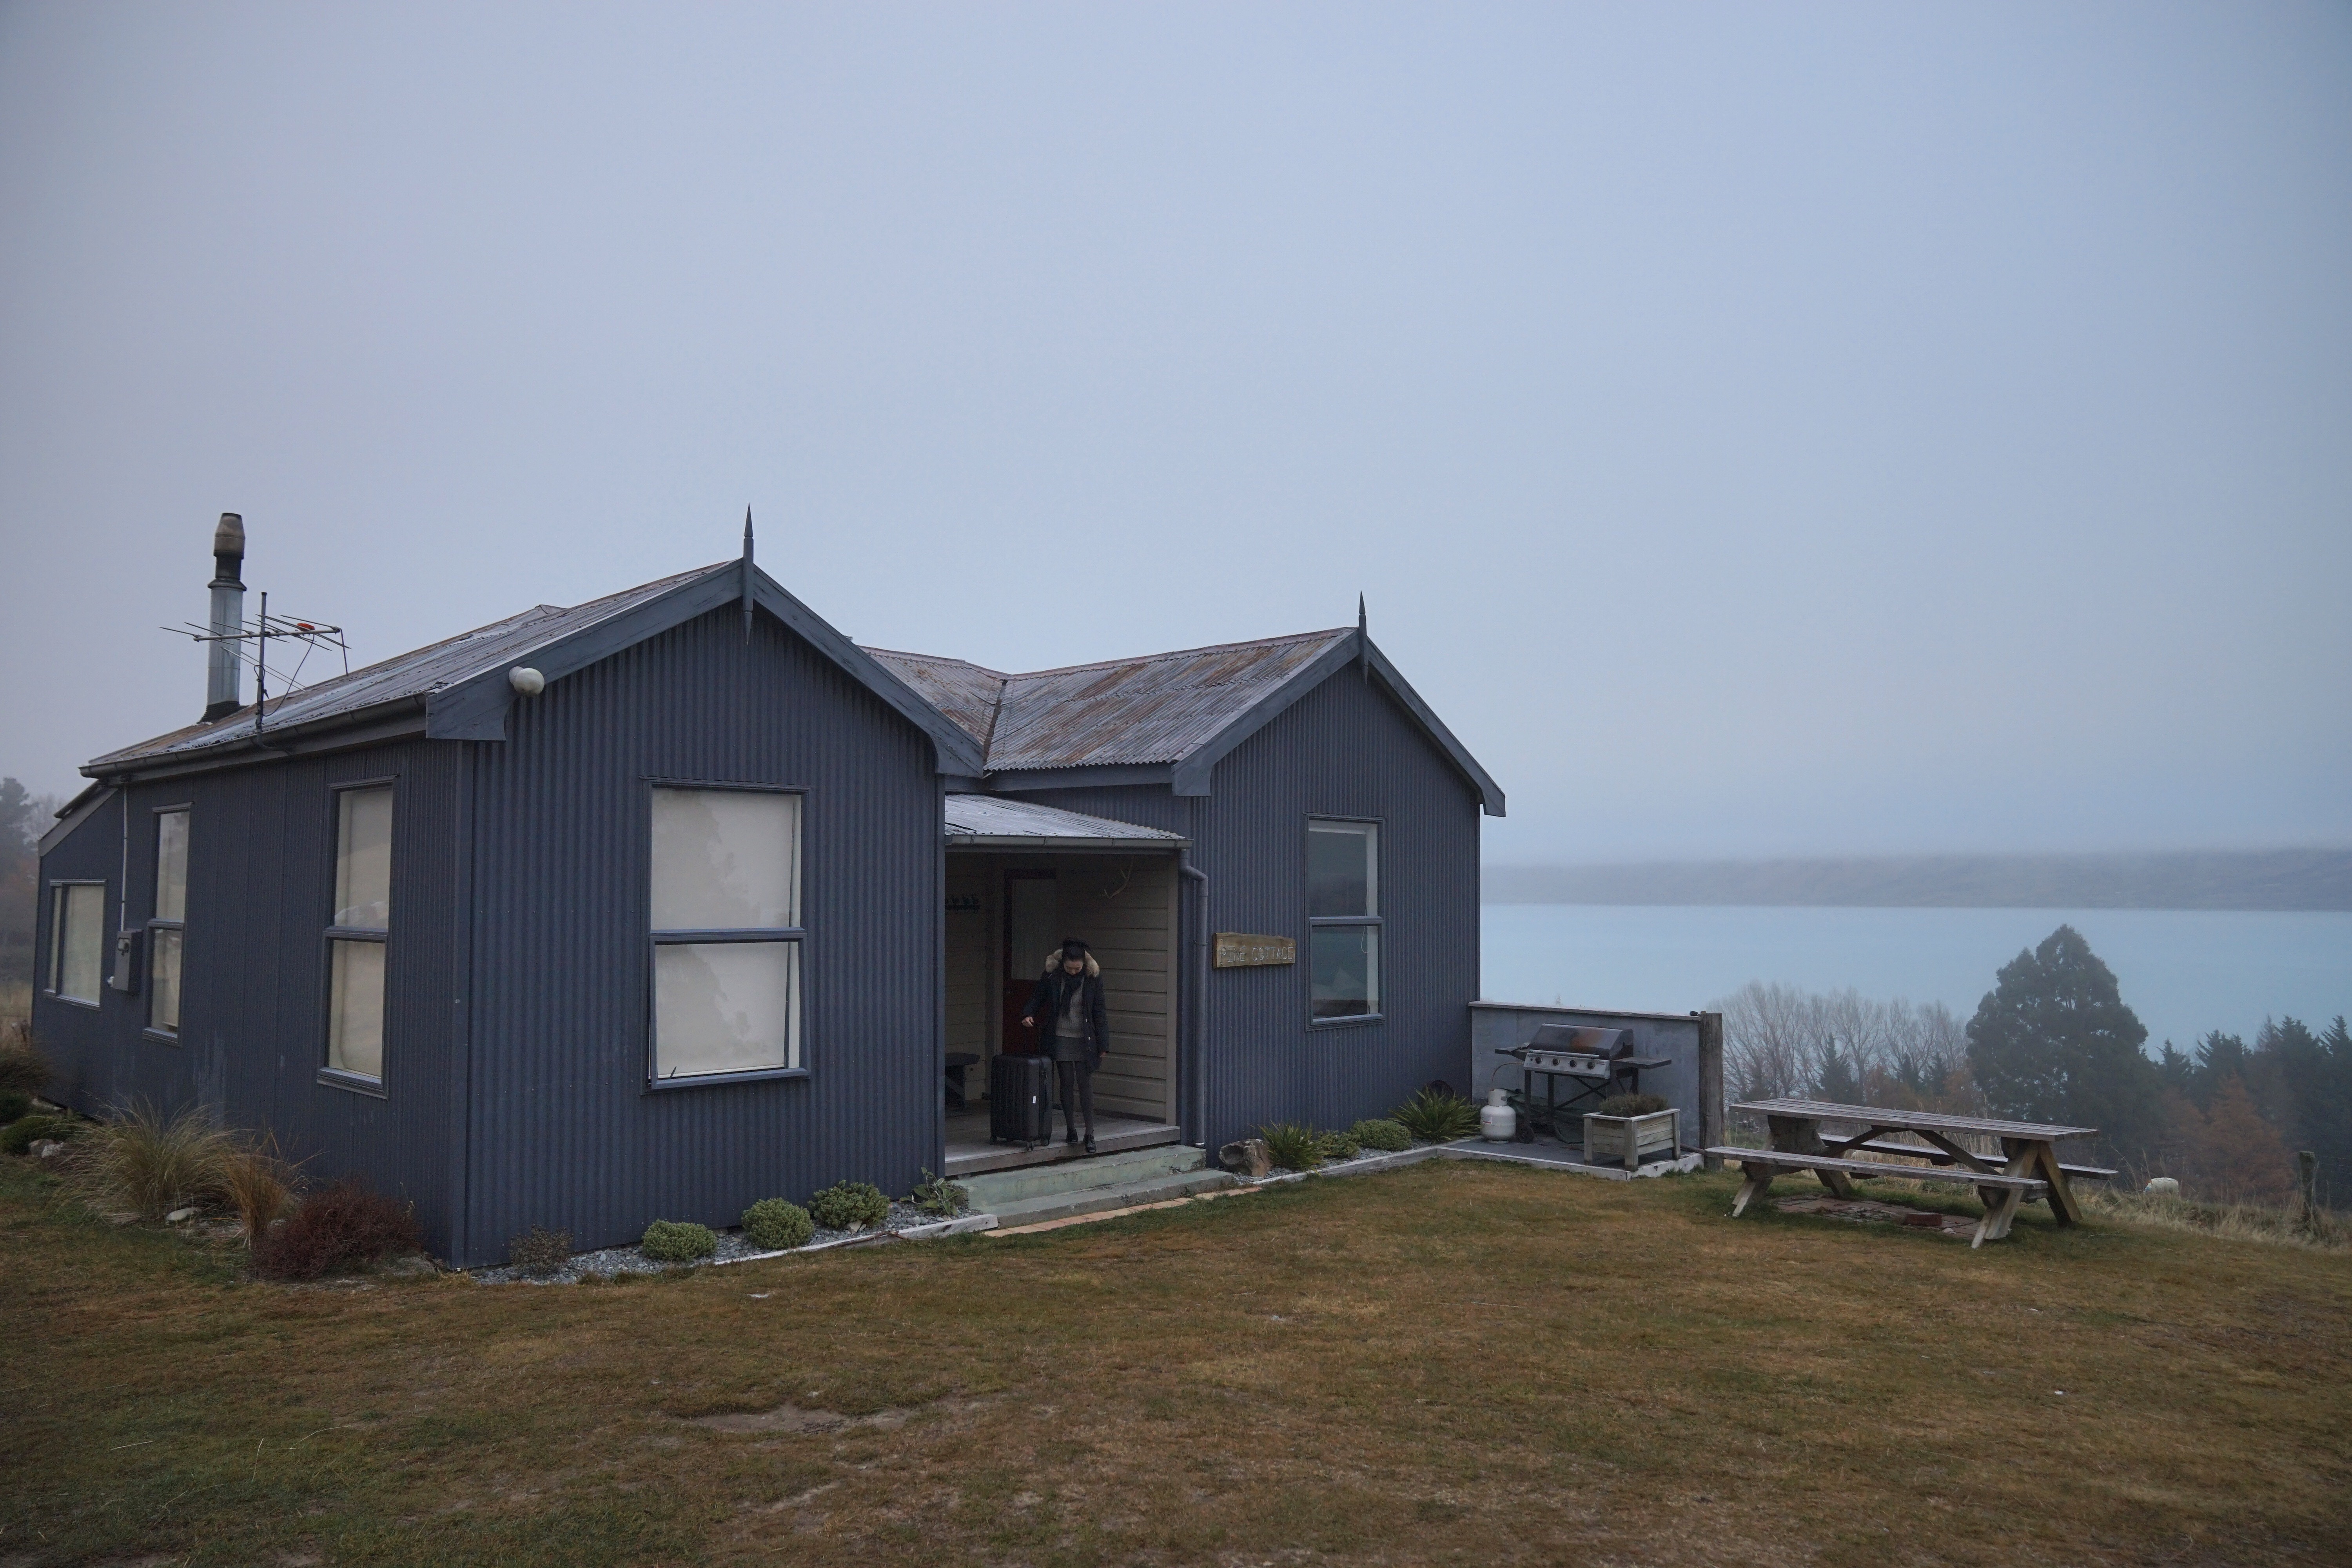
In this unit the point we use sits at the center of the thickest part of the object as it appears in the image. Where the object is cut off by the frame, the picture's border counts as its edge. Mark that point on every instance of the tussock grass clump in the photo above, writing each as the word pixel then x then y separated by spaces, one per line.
pixel 678 1241
pixel 255 1182
pixel 2323 1230
pixel 1382 1133
pixel 1292 1146
pixel 849 1205
pixel 347 1225
pixel 1439 1116
pixel 151 1163
pixel 23 1068
pixel 772 1225
pixel 539 1250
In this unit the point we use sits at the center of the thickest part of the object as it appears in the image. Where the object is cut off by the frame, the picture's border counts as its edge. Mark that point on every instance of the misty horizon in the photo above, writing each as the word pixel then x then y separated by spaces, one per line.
pixel 1759 435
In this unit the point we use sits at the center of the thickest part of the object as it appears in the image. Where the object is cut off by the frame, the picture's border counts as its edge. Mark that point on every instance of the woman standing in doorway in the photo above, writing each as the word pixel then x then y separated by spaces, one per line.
pixel 1068 1002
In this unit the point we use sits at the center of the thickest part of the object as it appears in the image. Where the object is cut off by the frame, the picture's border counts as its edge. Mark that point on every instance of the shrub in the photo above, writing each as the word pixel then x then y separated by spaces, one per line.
pixel 346 1225
pixel 937 1195
pixel 23 1069
pixel 678 1241
pixel 1380 1132
pixel 1632 1105
pixel 1293 1147
pixel 21 1134
pixel 849 1205
pixel 772 1225
pixel 539 1251
pixel 1340 1145
pixel 15 1105
pixel 256 1183
pixel 1437 1115
pixel 151 1164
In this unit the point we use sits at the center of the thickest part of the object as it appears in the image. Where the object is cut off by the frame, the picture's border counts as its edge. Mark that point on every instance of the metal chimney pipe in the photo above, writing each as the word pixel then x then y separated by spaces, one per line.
pixel 225 676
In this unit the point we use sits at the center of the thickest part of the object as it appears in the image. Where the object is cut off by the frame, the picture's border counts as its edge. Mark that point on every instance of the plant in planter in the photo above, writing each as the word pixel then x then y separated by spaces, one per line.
pixel 849 1205
pixel 1624 1128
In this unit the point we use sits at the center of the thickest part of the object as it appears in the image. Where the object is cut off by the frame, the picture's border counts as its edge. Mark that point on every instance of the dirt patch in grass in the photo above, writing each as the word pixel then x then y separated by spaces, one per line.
pixel 1451 1363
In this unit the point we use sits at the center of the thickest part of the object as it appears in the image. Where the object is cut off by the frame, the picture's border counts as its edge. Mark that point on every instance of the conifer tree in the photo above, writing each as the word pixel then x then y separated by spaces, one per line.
pixel 2052 1041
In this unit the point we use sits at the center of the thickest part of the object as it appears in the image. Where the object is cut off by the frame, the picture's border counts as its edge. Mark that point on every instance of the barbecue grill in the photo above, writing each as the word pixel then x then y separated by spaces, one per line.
pixel 1597 1061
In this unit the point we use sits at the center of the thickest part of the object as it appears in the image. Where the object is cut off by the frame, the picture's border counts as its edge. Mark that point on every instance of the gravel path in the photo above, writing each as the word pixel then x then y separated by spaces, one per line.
pixel 609 1262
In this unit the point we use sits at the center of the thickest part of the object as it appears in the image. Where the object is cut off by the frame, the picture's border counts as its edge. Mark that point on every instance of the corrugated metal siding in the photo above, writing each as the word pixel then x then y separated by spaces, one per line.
pixel 253 996
pixel 1345 749
pixel 566 1133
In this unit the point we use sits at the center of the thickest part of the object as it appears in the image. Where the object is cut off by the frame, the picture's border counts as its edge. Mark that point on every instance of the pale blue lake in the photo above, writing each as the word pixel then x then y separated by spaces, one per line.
pixel 2184 972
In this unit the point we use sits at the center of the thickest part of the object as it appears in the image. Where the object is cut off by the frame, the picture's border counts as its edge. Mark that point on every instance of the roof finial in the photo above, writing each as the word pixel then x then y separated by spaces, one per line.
pixel 1364 638
pixel 747 571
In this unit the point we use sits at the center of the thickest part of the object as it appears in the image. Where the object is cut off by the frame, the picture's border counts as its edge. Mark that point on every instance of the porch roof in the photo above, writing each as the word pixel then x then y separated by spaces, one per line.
pixel 999 822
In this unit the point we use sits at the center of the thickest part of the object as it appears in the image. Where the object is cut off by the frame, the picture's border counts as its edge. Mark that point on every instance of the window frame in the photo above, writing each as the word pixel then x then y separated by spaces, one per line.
pixel 54 989
pixel 1376 923
pixel 329 1075
pixel 655 938
pixel 156 922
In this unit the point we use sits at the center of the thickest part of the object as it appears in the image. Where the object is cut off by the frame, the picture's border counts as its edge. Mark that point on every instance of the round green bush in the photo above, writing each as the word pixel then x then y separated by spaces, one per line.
pixel 15 1105
pixel 1380 1132
pixel 772 1225
pixel 21 1134
pixel 1340 1145
pixel 849 1205
pixel 678 1241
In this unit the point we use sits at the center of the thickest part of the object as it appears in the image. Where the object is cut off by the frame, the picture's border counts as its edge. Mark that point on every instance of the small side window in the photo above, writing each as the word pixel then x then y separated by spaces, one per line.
pixel 78 940
pixel 355 940
pixel 1343 917
pixel 166 933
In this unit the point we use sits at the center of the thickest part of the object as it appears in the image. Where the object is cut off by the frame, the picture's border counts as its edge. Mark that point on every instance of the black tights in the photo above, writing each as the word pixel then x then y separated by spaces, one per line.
pixel 1077 1094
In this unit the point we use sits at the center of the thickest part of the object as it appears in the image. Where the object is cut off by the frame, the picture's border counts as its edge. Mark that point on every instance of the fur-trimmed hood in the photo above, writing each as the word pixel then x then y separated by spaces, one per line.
pixel 1054 964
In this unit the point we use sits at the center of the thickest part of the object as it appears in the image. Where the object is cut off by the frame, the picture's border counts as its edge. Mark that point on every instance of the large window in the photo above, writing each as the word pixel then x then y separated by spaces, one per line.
pixel 167 931
pixel 76 940
pixel 355 938
pixel 727 932
pixel 1343 911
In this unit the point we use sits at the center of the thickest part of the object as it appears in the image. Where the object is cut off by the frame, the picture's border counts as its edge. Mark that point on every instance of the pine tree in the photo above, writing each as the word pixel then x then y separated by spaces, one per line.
pixel 2052 1041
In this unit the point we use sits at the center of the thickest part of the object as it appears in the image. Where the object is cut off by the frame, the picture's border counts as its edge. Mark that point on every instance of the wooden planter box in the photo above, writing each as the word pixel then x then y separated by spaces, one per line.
pixel 1633 1141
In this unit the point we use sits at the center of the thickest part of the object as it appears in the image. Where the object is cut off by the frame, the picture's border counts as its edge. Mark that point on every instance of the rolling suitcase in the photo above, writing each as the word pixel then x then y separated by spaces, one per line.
pixel 1021 1100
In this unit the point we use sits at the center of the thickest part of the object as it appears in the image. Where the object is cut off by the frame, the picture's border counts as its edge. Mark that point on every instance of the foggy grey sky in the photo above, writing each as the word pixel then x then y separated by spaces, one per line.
pixel 1757 430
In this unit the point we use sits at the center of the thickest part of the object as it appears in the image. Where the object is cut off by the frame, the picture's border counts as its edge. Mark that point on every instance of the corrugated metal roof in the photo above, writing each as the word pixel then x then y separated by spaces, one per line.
pixel 977 819
pixel 1155 709
pixel 403 678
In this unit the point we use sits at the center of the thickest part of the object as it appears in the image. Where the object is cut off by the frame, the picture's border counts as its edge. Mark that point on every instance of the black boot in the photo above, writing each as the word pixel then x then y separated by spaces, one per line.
pixel 1090 1143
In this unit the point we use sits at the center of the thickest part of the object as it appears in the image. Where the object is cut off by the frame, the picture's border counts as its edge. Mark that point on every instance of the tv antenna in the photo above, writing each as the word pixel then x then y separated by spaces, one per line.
pixel 252 639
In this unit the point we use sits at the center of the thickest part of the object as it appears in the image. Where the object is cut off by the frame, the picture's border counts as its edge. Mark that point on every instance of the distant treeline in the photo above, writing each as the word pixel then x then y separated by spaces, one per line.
pixel 2052 1041
pixel 23 819
pixel 2203 879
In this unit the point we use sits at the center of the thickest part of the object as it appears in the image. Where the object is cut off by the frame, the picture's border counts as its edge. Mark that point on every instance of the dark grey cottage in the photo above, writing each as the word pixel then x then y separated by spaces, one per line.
pixel 477 924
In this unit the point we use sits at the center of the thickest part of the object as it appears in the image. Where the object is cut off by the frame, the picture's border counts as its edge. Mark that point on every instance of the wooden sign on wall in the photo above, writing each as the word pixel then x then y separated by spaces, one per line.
pixel 1239 950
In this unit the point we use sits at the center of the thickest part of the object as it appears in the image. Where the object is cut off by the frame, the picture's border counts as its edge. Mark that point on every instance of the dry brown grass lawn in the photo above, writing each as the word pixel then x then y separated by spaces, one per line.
pixel 1452 1363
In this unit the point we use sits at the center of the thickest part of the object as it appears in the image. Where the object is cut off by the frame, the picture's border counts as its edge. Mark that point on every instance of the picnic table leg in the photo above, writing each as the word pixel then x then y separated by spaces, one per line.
pixel 2001 1204
pixel 1803 1135
pixel 2042 1160
pixel 1756 1180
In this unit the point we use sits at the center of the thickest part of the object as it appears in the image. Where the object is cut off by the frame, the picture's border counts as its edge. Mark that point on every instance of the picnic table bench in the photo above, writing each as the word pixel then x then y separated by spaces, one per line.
pixel 2028 1168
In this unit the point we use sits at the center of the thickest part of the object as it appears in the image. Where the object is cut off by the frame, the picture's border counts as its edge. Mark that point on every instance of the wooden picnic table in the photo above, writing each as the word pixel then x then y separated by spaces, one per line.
pixel 2028 1166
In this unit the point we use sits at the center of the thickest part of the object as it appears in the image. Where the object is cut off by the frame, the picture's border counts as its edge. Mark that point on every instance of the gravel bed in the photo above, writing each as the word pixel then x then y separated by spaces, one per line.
pixel 610 1262
pixel 1283 1173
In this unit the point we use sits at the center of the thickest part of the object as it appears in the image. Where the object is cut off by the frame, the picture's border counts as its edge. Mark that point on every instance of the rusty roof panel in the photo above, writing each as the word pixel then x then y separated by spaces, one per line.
pixel 1154 708
pixel 964 691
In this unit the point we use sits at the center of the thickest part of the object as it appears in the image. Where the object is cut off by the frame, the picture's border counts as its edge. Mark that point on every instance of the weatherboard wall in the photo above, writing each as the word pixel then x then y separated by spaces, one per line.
pixel 253 1008
pixel 567 1132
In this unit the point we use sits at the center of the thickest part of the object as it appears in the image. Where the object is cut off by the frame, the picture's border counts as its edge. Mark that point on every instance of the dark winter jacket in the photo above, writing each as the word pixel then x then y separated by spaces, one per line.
pixel 1054 989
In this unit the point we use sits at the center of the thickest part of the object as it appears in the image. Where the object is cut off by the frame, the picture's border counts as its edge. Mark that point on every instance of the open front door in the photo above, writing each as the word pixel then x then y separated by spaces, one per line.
pixel 1031 931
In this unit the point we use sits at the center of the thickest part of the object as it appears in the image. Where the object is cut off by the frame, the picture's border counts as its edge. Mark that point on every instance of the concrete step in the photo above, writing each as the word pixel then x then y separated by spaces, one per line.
pixel 1126 1194
pixel 990 1192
